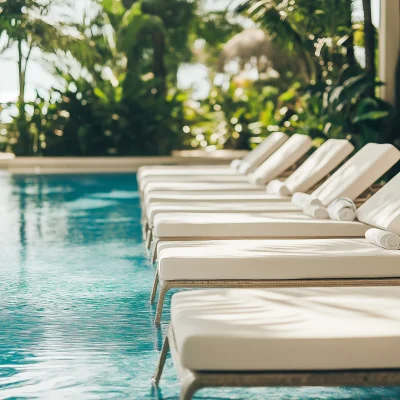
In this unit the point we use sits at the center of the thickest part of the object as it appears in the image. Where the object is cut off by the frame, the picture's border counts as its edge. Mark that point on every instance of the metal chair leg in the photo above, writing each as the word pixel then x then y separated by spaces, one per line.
pixel 154 289
pixel 161 297
pixel 155 253
pixel 161 362
pixel 149 239
pixel 145 230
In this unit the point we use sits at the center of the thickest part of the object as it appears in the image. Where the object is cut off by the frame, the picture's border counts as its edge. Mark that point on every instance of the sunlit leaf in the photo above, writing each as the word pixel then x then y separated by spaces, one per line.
pixel 371 115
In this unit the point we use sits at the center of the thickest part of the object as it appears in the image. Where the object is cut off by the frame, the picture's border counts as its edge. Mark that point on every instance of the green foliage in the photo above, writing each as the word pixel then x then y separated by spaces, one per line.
pixel 338 102
pixel 243 114
pixel 124 100
pixel 345 110
pixel 320 32
pixel 24 24
pixel 249 112
pixel 87 120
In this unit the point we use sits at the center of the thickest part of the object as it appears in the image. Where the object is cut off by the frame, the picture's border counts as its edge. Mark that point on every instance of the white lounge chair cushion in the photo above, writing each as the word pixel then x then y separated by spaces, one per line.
pixel 200 186
pixel 277 259
pixel 262 152
pixel 252 225
pixel 358 173
pixel 213 196
pixel 182 170
pixel 286 156
pixel 323 161
pixel 221 207
pixel 287 329
pixel 207 178
pixel 387 201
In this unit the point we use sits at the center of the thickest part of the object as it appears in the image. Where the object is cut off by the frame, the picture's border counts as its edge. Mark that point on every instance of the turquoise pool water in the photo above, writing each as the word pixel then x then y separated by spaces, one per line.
pixel 75 322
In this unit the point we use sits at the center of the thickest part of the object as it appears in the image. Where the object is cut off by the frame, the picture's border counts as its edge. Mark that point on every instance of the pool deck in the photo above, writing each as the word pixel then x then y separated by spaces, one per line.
pixel 68 165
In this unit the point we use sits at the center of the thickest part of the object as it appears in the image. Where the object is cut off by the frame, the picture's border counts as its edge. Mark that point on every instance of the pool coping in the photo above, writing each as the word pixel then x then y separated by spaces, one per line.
pixel 70 165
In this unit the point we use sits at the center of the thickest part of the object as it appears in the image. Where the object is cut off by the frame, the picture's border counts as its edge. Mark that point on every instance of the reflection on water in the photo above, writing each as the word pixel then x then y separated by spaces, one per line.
pixel 75 322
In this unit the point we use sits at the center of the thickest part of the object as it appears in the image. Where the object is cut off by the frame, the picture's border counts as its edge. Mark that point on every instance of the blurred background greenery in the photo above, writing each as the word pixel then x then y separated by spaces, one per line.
pixel 270 66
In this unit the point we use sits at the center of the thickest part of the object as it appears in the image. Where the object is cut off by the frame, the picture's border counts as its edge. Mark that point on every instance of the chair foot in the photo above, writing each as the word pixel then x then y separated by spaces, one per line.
pixel 161 362
pixel 189 387
pixel 154 289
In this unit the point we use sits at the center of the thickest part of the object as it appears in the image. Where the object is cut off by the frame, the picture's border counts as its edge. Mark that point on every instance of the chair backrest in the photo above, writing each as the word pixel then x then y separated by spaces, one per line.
pixel 323 161
pixel 358 173
pixel 383 208
pixel 262 152
pixel 286 156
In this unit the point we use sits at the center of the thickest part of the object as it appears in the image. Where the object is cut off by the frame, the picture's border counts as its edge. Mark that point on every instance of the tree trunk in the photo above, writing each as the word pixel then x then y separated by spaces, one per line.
pixel 397 91
pixel 159 70
pixel 397 83
pixel 350 56
pixel 369 43
pixel 22 146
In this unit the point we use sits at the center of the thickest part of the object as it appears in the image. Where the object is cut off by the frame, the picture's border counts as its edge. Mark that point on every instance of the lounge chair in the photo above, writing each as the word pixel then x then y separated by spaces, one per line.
pixel 284 337
pixel 290 262
pixel 280 161
pixel 247 165
pixel 321 163
pixel 351 180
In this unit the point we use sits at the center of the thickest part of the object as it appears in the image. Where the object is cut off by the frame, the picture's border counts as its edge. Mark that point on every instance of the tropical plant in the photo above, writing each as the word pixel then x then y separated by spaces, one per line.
pixel 153 35
pixel 25 24
pixel 320 32
pixel 345 110
pixel 94 119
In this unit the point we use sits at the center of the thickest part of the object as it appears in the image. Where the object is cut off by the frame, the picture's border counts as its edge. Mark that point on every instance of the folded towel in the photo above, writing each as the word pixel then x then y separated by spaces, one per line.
pixel 235 164
pixel 385 239
pixel 278 187
pixel 303 199
pixel 342 209
pixel 315 211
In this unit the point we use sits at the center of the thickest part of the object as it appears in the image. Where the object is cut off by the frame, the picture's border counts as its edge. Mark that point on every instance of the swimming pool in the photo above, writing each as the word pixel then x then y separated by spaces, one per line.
pixel 75 321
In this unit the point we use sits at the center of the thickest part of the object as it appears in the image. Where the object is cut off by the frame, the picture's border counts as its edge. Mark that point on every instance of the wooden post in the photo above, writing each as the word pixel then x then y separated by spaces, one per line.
pixel 389 48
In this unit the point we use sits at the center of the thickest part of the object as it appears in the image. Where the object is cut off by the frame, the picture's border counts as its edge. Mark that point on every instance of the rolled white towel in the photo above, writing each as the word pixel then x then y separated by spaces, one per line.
pixel 315 211
pixel 255 180
pixel 385 239
pixel 278 187
pixel 244 168
pixel 342 209
pixel 303 199
pixel 235 164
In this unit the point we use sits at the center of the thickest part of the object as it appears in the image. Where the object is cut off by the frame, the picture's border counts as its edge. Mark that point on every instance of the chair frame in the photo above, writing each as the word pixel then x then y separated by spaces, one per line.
pixel 192 381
